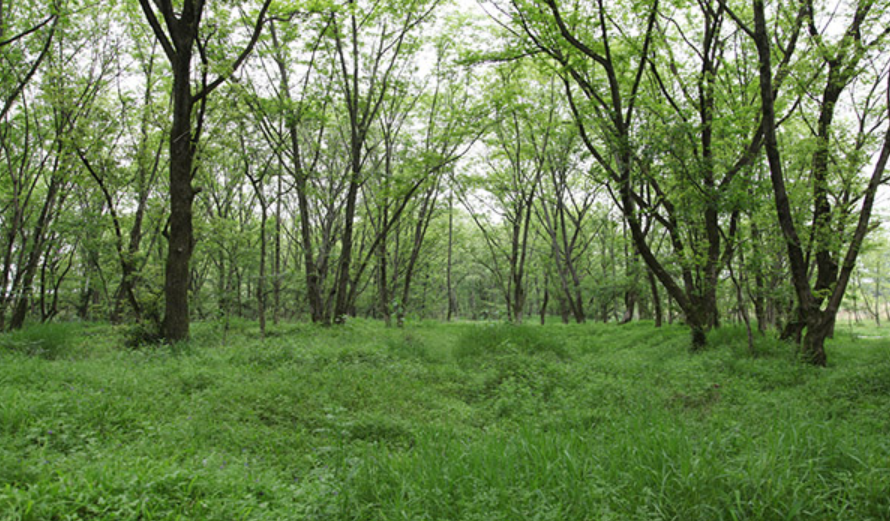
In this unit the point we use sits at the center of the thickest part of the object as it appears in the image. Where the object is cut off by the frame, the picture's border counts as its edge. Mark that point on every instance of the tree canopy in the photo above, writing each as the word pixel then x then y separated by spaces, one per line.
pixel 615 161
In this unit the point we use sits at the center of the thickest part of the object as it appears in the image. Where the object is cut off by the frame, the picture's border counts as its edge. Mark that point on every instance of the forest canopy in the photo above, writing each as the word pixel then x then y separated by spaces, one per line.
pixel 164 161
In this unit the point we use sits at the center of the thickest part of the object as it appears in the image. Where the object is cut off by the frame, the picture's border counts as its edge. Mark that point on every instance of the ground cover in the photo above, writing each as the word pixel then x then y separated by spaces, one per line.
pixel 442 422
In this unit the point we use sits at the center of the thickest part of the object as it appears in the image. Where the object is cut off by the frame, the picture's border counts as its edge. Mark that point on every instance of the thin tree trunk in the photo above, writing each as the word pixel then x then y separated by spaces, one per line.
pixel 276 280
pixel 630 277
pixel 261 281
pixel 312 270
pixel 20 310
pixel 448 281
pixel 545 301
pixel 656 299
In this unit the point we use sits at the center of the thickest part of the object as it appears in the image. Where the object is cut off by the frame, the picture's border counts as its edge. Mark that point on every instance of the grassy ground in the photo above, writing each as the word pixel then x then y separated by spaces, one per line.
pixel 441 422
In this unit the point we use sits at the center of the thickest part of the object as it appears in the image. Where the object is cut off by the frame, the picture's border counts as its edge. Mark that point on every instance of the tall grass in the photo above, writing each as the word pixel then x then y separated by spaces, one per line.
pixel 48 341
pixel 444 421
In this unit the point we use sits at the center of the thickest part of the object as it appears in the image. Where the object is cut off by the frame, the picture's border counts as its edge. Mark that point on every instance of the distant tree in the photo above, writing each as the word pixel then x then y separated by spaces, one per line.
pixel 567 196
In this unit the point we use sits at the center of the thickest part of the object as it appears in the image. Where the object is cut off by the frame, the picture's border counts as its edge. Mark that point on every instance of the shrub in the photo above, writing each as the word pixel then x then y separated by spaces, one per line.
pixel 142 333
pixel 149 329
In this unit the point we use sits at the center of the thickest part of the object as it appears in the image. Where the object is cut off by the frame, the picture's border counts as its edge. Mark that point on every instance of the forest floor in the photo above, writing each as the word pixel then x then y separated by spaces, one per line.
pixel 441 422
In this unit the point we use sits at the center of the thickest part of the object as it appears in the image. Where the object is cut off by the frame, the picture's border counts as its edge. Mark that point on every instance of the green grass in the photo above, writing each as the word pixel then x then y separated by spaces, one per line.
pixel 440 422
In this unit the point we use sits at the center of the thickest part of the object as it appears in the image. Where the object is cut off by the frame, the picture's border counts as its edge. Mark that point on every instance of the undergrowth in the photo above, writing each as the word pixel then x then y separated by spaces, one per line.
pixel 440 421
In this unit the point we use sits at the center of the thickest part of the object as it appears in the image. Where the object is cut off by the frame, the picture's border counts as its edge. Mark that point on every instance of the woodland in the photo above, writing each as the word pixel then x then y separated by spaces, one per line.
pixel 444 259
pixel 165 162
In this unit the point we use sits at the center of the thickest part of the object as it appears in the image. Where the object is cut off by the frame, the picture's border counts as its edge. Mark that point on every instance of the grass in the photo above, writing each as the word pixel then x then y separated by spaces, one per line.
pixel 441 422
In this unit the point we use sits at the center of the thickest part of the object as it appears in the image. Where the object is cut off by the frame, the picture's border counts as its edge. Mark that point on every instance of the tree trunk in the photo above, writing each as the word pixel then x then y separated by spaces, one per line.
pixel 877 294
pixel 630 275
pixel 544 302
pixel 383 298
pixel 819 327
pixel 452 304
pixel 178 43
pixel 841 68
pixel 630 303
pixel 261 281
pixel 276 280
pixel 317 308
pixel 423 219
pixel 344 274
pixel 20 310
pixel 180 237
pixel 697 320
pixel 656 299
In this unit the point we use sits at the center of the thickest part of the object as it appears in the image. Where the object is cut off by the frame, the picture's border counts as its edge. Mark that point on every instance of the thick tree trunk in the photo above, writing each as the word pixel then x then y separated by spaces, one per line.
pixel 630 304
pixel 819 327
pixel 178 41
pixel 180 237
pixel 697 319
pixel 699 336
pixel 517 303
pixel 564 309
pixel 313 280
pixel 578 306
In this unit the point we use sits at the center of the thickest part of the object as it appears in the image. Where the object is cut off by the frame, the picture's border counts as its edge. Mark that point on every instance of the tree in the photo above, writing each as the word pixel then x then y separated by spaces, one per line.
pixel 38 156
pixel 180 37
pixel 365 80
pixel 526 117
pixel 831 229
pixel 625 89
pixel 450 122
pixel 567 195
pixel 871 275
pixel 26 37
pixel 121 154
